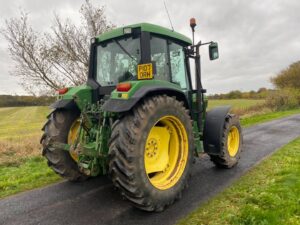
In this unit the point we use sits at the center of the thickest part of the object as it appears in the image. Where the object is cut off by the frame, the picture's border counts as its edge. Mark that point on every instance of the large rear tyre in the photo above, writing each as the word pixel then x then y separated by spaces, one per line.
pixel 232 140
pixel 151 152
pixel 60 127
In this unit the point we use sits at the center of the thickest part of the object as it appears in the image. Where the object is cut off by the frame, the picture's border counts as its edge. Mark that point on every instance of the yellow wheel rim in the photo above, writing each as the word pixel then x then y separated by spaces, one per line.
pixel 73 132
pixel 166 152
pixel 233 141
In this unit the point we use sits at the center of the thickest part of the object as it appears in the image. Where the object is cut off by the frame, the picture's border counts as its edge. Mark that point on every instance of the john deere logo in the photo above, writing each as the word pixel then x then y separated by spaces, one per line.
pixel 145 71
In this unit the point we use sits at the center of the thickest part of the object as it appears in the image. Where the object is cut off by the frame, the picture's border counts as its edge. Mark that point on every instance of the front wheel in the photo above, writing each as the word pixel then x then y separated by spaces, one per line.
pixel 231 147
pixel 151 153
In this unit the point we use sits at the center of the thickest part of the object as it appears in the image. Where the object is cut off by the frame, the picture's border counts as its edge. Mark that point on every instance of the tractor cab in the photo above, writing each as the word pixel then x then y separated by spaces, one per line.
pixel 148 54
pixel 139 52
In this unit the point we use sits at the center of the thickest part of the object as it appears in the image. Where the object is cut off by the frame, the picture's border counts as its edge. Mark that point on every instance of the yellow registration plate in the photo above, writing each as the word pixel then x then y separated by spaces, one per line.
pixel 145 71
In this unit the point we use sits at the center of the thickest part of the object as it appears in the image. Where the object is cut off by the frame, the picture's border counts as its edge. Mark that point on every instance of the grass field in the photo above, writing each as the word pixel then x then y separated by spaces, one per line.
pixel 20 130
pixel 268 194
pixel 21 164
pixel 21 122
pixel 235 103
pixel 265 117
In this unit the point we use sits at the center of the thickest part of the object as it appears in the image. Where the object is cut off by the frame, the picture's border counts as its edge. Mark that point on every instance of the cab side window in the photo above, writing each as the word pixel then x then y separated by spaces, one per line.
pixel 159 55
pixel 178 69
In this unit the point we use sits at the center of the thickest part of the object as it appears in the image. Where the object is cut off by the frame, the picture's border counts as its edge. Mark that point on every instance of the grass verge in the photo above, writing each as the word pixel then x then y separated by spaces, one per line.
pixel 268 194
pixel 21 165
pixel 261 118
pixel 30 173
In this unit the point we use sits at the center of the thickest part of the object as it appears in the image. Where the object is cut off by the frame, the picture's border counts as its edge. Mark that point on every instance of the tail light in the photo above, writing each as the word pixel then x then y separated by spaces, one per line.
pixel 62 91
pixel 123 87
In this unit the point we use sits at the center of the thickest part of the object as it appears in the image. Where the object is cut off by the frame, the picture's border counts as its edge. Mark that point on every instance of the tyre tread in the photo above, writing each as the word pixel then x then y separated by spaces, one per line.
pixel 123 139
pixel 59 161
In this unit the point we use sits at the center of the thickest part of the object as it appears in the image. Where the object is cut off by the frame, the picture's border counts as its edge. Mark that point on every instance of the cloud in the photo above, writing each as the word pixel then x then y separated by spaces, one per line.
pixel 256 39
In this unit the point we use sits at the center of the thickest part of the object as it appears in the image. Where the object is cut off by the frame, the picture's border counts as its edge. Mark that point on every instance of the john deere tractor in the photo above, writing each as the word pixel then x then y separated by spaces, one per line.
pixel 138 117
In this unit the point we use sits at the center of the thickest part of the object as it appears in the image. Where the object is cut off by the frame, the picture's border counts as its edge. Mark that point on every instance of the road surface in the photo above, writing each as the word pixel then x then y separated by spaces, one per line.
pixel 96 201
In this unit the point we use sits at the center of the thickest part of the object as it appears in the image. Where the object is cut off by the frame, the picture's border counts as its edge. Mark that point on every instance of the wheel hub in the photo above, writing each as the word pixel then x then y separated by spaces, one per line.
pixel 166 152
pixel 156 150
pixel 152 148
pixel 233 141
pixel 73 133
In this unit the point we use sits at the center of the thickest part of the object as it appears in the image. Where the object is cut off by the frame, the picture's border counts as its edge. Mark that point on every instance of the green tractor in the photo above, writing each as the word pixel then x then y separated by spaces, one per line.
pixel 138 118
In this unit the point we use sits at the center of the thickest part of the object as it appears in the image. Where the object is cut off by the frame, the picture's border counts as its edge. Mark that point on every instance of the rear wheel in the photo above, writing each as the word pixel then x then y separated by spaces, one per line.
pixel 62 126
pixel 151 151
pixel 232 140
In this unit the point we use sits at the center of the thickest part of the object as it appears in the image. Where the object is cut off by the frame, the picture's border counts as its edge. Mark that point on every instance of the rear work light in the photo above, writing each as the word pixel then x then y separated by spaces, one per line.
pixel 127 30
pixel 123 87
pixel 62 91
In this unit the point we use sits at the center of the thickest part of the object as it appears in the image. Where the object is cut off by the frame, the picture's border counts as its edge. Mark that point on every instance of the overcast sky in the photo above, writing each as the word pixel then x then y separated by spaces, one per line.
pixel 256 38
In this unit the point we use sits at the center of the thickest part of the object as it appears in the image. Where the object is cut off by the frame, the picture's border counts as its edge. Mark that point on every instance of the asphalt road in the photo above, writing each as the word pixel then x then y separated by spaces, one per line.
pixel 96 201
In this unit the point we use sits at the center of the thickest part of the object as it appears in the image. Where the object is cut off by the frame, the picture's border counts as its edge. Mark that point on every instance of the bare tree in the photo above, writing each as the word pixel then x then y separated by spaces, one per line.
pixel 45 62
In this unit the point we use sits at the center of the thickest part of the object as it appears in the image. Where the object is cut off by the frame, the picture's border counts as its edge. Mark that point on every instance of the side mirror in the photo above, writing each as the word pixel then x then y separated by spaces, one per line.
pixel 213 51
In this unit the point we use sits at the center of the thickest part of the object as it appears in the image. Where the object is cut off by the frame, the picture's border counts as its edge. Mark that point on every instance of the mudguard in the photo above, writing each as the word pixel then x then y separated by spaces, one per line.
pixel 213 129
pixel 64 104
pixel 123 105
pixel 119 105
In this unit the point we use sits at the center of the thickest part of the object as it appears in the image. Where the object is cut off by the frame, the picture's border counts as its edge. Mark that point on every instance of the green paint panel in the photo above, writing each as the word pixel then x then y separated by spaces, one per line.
pixel 145 27
pixel 136 85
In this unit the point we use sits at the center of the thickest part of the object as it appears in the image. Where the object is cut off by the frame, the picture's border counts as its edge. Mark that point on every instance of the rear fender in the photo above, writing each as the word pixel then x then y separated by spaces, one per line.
pixel 64 104
pixel 213 129
pixel 74 98
pixel 122 105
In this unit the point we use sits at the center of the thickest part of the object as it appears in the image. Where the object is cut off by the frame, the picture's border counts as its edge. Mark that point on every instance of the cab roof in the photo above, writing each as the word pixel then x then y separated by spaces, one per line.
pixel 118 32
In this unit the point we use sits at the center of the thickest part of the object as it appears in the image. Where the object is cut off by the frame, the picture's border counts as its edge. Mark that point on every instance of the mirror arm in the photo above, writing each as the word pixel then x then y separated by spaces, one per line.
pixel 206 43
pixel 201 44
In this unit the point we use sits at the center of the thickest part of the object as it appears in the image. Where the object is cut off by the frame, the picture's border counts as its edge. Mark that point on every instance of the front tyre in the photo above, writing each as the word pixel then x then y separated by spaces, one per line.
pixel 151 153
pixel 232 141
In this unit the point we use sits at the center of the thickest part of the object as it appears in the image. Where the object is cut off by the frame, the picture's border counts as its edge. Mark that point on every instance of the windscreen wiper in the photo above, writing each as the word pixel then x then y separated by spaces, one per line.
pixel 124 50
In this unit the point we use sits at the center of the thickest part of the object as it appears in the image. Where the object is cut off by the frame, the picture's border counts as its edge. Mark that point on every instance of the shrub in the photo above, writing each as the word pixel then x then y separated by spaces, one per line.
pixel 288 78
pixel 283 99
